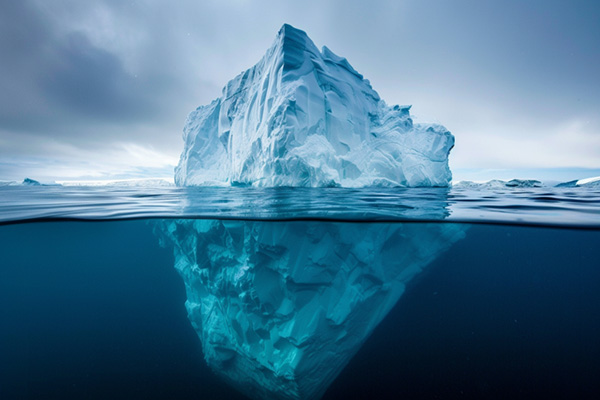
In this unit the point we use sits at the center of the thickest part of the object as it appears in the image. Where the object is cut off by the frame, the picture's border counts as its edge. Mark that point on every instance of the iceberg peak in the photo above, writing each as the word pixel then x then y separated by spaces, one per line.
pixel 304 117
pixel 289 35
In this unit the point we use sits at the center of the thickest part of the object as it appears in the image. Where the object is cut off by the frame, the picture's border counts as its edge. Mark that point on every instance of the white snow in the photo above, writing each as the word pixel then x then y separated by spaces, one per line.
pixel 587 181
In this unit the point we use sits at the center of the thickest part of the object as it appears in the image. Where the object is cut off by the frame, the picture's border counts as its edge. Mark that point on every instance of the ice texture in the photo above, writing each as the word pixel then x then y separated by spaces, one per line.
pixel 523 183
pixel 31 182
pixel 593 182
pixel 590 182
pixel 304 117
pixel 281 307
pixel 499 184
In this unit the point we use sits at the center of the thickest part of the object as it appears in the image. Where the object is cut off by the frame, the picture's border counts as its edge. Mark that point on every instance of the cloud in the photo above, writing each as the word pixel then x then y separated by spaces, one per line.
pixel 115 161
pixel 91 82
pixel 56 81
pixel 507 79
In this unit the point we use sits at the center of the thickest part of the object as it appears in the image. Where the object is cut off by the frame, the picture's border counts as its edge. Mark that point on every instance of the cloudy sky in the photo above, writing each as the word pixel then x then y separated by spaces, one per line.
pixel 101 89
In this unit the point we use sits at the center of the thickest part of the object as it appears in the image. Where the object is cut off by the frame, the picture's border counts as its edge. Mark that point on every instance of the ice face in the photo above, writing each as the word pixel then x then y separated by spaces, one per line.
pixel 304 117
pixel 593 182
pixel 281 307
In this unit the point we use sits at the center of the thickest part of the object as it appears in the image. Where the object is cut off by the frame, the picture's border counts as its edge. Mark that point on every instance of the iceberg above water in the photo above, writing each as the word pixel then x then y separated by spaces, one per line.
pixel 593 182
pixel 304 117
pixel 526 184
pixel 281 307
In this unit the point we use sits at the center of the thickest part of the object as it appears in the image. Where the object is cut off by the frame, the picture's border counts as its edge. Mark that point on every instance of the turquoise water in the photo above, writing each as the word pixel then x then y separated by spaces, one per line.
pixel 504 302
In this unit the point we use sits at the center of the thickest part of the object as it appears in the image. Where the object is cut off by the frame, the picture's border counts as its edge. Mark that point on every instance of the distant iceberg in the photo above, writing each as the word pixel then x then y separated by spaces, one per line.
pixel 9 183
pixel 593 182
pixel 304 117
pixel 31 182
pixel 524 183
pixel 26 182
pixel 136 182
pixel 498 184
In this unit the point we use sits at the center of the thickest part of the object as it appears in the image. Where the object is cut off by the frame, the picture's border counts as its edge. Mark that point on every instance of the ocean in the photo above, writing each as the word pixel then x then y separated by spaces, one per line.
pixel 467 293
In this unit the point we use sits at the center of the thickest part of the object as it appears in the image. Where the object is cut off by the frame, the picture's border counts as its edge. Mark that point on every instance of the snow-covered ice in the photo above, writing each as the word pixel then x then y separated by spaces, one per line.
pixel 134 182
pixel 592 182
pixel 304 117
pixel 498 184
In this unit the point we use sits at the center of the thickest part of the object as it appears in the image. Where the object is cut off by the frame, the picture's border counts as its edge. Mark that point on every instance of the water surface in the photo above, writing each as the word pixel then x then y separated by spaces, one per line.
pixel 91 306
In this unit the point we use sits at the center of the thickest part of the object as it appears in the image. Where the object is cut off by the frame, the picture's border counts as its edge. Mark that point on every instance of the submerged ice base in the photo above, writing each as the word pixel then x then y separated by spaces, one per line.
pixel 281 307
pixel 304 117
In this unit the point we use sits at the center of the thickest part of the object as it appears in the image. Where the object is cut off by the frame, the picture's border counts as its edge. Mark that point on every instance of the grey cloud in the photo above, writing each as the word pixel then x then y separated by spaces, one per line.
pixel 53 81
pixel 90 74
pixel 92 82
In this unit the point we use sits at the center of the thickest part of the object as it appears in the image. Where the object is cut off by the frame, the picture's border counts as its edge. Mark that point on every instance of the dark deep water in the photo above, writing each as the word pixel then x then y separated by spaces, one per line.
pixel 95 310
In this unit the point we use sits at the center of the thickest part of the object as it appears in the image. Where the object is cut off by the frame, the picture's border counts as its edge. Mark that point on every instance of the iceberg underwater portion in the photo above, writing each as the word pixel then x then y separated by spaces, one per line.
pixel 281 307
pixel 304 117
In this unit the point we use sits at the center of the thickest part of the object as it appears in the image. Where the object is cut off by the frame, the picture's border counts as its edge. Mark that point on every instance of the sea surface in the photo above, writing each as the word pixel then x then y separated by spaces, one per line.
pixel 91 306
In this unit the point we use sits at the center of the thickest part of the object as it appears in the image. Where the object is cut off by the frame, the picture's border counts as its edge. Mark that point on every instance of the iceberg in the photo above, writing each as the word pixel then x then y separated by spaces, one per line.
pixel 142 182
pixel 589 182
pixel 492 184
pixel 593 182
pixel 523 183
pixel 281 307
pixel 304 117
pixel 31 182
pixel 499 184
pixel 8 183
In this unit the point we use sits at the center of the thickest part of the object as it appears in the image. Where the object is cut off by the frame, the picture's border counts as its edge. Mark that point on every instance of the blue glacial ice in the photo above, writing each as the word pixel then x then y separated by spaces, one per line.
pixel 281 307
pixel 304 117
pixel 593 182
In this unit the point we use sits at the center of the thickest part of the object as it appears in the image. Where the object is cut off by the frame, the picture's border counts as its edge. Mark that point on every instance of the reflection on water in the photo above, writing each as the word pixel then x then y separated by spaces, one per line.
pixel 281 307
pixel 573 207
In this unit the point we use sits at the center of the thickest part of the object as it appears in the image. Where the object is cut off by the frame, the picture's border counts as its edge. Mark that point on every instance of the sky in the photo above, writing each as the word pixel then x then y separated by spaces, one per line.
pixel 101 89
